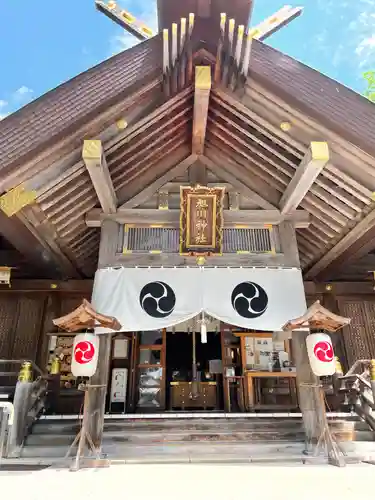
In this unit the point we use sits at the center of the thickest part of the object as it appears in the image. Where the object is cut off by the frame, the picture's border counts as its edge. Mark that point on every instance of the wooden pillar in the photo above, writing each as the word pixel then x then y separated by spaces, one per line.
pixel 107 255
pixel 288 243
pixel 97 399
pixel 310 401
pixel 307 385
pixel 109 242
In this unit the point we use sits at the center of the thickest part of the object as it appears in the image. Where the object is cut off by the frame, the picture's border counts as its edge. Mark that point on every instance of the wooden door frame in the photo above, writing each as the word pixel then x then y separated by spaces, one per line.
pixel 135 373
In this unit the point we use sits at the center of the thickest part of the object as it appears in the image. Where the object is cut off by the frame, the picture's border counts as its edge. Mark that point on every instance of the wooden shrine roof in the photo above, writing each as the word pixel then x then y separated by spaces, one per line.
pixel 41 147
pixel 317 317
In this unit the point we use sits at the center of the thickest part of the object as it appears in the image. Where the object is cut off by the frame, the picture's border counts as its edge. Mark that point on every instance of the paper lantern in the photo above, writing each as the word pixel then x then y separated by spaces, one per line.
pixel 321 355
pixel 85 355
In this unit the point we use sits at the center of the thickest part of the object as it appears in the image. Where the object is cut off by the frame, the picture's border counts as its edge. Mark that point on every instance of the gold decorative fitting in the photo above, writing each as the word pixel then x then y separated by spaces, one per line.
pixel 121 124
pixel 26 372
pixel 338 365
pixel 128 17
pixel 285 126
pixel 92 149
pixel 372 369
pixel 329 288
pixel 55 366
pixel 203 77
pixel 16 199
pixel 53 286
pixel 201 260
pixel 319 151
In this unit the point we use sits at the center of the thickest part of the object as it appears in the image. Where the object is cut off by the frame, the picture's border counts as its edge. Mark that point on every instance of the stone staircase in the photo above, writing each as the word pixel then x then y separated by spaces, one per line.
pixel 197 440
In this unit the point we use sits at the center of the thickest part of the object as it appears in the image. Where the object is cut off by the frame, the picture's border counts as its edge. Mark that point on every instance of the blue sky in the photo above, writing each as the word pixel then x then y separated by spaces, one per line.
pixel 43 44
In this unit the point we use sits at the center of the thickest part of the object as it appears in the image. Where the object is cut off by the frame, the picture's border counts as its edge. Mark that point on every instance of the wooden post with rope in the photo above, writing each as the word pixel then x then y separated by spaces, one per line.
pixel 82 319
pixel 311 393
pixel 83 437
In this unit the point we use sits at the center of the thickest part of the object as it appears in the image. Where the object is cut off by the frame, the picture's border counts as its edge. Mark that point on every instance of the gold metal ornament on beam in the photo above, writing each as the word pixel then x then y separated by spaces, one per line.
pixel 201 260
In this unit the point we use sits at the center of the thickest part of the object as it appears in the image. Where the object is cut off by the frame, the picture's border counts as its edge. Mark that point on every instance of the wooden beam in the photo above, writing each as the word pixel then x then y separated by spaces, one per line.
pixel 336 288
pixel 36 221
pixel 176 260
pixel 315 159
pixel 24 239
pixel 201 101
pixel 158 183
pixel 277 21
pixel 340 288
pixel 230 176
pixel 198 174
pixel 77 287
pixel 94 159
pixel 359 231
pixel 147 216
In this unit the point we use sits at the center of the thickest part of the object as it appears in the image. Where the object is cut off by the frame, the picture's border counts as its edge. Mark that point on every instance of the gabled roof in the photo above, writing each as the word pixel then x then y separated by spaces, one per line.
pixel 41 144
pixel 57 113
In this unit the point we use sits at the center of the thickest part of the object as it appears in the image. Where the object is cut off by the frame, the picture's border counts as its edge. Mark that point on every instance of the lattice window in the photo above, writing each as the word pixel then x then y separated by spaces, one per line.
pixel 166 240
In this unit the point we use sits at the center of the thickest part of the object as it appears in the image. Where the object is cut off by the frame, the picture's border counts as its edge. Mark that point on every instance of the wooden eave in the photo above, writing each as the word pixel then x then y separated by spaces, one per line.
pixel 243 136
pixel 317 317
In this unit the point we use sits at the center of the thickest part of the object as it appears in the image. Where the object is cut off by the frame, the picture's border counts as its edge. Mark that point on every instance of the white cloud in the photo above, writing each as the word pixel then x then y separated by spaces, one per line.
pixel 363 32
pixel 15 100
pixel 22 92
pixel 143 10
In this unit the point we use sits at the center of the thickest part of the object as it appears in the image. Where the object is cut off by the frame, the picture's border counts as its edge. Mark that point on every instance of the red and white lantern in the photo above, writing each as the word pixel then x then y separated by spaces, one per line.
pixel 321 355
pixel 85 355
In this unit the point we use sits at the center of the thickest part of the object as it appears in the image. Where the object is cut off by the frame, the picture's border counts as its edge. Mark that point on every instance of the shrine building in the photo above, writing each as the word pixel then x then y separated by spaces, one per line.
pixel 204 190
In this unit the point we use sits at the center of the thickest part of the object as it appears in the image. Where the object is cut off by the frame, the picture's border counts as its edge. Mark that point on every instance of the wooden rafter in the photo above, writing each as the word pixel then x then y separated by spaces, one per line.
pixel 23 236
pixel 146 216
pixel 94 159
pixel 201 101
pixel 152 188
pixel 229 176
pixel 357 233
pixel 315 159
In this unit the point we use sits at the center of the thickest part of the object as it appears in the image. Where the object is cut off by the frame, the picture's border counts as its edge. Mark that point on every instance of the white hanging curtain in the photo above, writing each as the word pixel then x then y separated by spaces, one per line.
pixel 259 299
pixel 150 299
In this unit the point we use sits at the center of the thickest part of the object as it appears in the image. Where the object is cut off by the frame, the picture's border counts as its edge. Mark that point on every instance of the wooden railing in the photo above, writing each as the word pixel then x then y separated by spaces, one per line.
pixel 28 404
pixel 358 388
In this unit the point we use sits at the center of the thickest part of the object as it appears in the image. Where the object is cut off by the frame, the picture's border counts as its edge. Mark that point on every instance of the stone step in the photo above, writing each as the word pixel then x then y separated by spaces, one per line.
pixel 174 436
pixel 69 426
pixel 128 450
pixel 280 453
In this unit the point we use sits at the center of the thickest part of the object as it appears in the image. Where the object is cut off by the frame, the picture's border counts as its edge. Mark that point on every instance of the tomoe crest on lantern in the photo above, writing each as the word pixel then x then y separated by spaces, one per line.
pixel 321 355
pixel 85 355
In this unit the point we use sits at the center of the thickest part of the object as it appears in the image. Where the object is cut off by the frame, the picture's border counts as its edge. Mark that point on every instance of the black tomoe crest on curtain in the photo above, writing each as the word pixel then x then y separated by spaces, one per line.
pixel 157 299
pixel 249 300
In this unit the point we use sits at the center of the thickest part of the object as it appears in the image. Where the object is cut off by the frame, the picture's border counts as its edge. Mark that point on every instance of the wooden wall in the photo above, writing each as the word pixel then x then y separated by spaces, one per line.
pixel 26 317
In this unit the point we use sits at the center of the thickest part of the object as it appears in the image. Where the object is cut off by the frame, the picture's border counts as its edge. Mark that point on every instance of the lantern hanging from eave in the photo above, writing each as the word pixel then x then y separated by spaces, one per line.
pixel 85 355
pixel 321 355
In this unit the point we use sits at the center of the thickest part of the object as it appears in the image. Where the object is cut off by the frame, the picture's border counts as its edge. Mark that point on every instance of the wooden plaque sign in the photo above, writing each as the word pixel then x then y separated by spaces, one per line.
pixel 201 220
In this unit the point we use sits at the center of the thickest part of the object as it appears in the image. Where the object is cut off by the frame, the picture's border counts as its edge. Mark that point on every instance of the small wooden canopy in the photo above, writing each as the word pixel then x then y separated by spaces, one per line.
pixel 85 317
pixel 317 317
